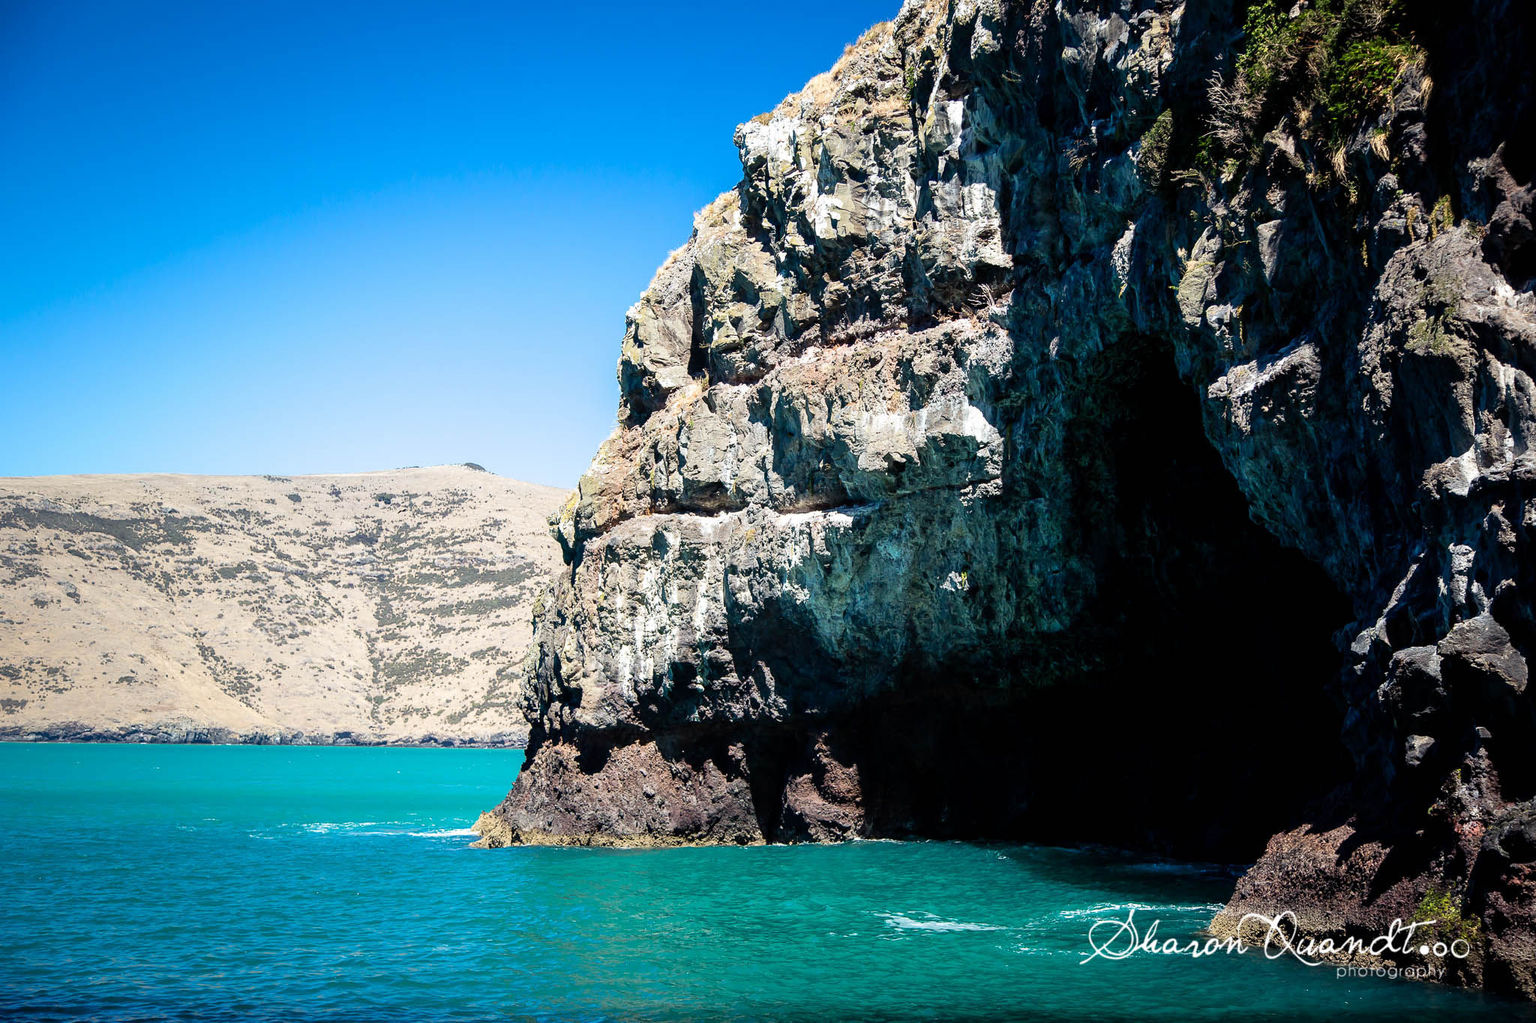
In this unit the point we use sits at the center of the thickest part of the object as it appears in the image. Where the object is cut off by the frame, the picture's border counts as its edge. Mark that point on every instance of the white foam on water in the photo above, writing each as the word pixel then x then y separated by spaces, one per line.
pixel 379 829
pixel 1044 950
pixel 325 827
pixel 1121 908
pixel 445 833
pixel 931 922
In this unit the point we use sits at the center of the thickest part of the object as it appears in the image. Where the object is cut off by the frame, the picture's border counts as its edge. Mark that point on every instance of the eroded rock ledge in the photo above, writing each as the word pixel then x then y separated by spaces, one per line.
pixel 1074 426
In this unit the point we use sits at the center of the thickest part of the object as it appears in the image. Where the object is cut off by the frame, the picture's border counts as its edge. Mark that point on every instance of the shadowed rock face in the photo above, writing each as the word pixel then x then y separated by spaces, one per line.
pixel 980 473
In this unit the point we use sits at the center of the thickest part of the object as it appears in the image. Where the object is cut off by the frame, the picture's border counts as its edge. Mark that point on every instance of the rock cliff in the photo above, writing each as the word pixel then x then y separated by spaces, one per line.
pixel 1089 421
pixel 372 607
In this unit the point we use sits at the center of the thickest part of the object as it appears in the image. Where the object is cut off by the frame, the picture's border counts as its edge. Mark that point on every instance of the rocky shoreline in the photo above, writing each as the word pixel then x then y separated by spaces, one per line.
pixel 193 734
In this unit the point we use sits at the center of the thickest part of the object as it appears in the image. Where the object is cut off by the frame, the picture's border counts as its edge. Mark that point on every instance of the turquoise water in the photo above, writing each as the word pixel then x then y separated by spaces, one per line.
pixel 228 882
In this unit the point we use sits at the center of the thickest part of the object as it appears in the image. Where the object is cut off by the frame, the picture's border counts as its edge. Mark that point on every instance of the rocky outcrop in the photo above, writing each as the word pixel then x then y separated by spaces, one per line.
pixel 355 609
pixel 1064 402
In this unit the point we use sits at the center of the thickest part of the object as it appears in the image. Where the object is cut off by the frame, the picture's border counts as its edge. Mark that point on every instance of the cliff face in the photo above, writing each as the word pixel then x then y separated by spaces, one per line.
pixel 389 606
pixel 1086 420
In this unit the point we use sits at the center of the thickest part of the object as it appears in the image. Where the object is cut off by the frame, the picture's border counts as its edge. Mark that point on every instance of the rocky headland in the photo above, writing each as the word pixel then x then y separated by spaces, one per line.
pixel 386 607
pixel 1089 422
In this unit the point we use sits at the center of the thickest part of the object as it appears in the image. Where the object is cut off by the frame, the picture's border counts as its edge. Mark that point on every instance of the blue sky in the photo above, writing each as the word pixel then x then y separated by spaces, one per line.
pixel 332 237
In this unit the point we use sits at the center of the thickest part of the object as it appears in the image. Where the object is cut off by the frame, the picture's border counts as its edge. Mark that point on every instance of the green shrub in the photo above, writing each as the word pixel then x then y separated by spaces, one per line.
pixel 1334 64
pixel 1450 923
pixel 1154 148
pixel 1360 82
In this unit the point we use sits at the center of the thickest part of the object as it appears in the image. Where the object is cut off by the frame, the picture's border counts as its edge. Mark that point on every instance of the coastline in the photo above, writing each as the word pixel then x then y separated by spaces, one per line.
pixel 193 735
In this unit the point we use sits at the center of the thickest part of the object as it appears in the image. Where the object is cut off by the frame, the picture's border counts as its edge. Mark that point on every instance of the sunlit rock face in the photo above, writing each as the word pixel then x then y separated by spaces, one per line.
pixel 994 460
pixel 367 607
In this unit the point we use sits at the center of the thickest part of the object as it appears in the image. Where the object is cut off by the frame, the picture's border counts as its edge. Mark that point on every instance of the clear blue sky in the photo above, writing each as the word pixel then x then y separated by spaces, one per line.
pixel 329 237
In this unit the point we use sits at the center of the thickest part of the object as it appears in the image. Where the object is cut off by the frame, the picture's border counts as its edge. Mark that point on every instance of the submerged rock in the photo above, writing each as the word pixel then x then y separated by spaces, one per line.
pixel 1065 430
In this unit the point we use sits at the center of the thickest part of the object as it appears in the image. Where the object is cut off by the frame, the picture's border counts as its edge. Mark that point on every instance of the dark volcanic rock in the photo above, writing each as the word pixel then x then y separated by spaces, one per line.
pixel 1070 428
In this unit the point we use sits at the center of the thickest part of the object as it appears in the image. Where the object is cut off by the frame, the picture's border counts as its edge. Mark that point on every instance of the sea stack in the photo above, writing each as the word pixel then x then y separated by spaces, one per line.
pixel 1074 427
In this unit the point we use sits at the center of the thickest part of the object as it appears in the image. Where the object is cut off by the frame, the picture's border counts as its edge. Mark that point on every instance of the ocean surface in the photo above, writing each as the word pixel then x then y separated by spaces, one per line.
pixel 302 883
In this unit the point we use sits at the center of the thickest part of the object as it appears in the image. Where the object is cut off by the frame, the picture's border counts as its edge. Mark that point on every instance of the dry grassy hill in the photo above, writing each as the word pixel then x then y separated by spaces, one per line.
pixel 387 606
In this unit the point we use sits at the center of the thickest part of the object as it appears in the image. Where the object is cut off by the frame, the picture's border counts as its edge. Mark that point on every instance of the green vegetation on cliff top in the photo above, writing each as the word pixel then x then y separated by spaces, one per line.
pixel 1326 66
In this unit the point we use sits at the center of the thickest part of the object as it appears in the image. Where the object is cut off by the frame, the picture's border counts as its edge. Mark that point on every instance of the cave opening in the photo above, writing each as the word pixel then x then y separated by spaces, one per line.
pixel 1204 717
